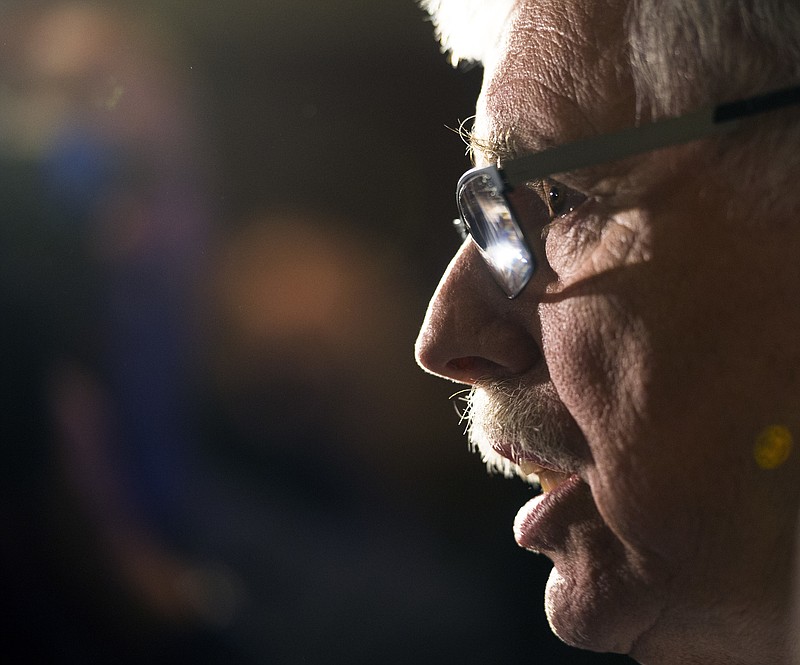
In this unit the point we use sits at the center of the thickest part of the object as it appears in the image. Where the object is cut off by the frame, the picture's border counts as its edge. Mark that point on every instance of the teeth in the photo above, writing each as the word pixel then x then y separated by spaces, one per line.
pixel 535 474
pixel 528 468
pixel 531 472
pixel 549 480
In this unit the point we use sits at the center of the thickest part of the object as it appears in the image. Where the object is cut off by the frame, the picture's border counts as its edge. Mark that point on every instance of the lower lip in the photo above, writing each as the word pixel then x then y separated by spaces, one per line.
pixel 535 521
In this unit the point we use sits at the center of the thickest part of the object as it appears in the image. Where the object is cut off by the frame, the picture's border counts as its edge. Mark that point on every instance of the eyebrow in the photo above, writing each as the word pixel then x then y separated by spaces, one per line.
pixel 504 148
pixel 496 148
pixel 608 147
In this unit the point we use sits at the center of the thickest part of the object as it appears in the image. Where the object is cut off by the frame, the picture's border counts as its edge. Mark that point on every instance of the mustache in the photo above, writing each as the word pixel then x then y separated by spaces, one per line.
pixel 518 420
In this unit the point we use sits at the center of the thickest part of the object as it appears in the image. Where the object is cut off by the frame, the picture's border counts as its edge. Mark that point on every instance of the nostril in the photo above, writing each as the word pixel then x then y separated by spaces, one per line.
pixel 470 369
pixel 472 334
pixel 464 364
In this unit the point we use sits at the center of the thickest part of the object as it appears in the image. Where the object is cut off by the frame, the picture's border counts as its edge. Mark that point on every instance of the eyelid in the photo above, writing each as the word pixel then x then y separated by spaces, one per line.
pixel 564 182
pixel 536 186
pixel 571 199
pixel 542 190
pixel 589 181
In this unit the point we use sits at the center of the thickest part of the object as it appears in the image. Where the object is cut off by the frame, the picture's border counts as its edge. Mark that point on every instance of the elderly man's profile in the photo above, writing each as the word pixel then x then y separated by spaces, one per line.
pixel 625 307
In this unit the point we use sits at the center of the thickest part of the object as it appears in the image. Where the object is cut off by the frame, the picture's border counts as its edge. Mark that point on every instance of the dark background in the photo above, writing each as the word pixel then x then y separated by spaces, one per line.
pixel 220 226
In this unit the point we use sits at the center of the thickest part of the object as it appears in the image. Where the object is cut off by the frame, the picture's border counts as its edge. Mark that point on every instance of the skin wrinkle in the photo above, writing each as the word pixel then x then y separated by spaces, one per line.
pixel 527 135
pixel 571 41
pixel 651 323
pixel 511 140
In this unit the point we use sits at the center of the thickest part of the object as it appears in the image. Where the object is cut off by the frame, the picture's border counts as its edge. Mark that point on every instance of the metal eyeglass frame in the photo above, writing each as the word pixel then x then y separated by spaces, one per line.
pixel 481 194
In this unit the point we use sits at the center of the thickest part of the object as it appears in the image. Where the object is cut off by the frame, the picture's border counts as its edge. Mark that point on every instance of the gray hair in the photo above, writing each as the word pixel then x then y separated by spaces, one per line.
pixel 686 53
pixel 683 54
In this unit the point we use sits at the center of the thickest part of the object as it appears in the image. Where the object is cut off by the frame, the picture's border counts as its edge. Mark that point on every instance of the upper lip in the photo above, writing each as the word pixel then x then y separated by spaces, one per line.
pixel 516 456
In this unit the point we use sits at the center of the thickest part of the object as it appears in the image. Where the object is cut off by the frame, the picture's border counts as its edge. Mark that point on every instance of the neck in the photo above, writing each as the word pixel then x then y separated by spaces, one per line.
pixel 738 640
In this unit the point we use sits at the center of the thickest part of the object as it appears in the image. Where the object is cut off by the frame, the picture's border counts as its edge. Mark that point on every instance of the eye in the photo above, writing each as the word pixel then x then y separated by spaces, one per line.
pixel 562 200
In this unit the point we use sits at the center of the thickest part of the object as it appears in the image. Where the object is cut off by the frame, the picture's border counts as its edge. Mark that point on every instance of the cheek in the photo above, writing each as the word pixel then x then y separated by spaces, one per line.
pixel 598 357
pixel 588 245
pixel 598 345
pixel 649 472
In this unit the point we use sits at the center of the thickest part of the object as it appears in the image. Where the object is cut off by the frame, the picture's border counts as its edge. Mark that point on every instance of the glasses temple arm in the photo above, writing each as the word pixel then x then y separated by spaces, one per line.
pixel 635 140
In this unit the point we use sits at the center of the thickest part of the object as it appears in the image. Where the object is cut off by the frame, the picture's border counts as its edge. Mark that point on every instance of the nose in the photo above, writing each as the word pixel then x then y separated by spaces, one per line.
pixel 472 332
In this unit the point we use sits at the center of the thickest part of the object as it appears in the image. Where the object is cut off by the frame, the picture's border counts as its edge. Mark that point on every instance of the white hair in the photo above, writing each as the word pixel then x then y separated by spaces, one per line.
pixel 468 30
pixel 683 54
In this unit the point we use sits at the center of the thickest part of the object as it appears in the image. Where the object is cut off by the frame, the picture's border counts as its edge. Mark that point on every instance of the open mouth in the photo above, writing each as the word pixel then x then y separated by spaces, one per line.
pixel 543 520
pixel 547 479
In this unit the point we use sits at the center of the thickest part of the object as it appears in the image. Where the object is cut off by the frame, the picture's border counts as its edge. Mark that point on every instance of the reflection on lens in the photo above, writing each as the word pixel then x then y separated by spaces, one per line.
pixel 510 262
pixel 495 231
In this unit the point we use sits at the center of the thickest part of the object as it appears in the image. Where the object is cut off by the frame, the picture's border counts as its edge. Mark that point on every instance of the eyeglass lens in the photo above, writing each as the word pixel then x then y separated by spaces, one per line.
pixel 488 216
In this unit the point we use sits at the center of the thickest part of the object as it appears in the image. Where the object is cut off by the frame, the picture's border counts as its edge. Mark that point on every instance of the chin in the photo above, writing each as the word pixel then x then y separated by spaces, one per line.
pixel 595 612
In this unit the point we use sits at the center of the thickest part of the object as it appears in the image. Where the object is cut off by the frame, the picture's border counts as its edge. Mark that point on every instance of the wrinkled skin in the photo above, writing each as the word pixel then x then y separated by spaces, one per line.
pixel 663 317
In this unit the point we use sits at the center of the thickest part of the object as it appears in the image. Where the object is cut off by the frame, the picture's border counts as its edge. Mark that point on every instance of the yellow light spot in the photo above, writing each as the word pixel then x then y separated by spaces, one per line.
pixel 773 447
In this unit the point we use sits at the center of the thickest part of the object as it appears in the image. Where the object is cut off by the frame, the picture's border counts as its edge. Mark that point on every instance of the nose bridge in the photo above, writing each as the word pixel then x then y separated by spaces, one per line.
pixel 472 331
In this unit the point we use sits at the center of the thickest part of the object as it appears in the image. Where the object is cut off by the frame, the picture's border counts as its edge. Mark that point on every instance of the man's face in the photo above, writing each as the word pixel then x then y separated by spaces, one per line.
pixel 632 365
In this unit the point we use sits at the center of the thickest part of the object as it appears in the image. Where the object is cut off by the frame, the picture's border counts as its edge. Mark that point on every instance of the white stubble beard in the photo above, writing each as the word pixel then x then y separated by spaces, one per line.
pixel 518 418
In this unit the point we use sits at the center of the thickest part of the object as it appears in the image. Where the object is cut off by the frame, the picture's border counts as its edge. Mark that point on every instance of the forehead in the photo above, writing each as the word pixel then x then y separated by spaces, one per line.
pixel 558 73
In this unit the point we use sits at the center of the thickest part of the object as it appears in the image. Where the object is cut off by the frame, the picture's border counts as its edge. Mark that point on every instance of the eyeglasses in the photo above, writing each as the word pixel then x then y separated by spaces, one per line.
pixel 486 213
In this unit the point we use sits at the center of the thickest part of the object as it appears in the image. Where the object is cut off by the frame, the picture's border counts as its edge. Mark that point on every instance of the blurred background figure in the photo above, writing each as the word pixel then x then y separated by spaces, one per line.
pixel 216 239
pixel 104 224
